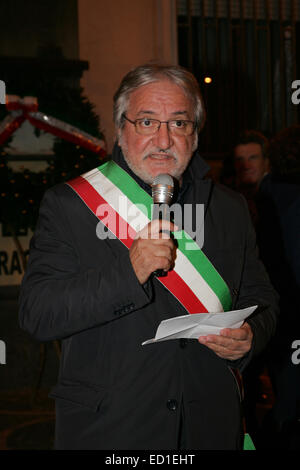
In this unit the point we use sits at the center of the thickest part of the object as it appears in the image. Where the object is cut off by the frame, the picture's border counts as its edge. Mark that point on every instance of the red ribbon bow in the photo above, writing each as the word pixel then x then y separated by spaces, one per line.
pixel 29 110
pixel 27 104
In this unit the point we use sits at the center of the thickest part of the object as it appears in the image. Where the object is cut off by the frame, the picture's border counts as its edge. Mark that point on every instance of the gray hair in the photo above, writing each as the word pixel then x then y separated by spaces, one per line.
pixel 149 73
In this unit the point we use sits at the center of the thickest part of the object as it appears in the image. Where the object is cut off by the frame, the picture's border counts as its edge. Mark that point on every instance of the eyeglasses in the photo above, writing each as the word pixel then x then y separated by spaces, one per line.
pixel 145 126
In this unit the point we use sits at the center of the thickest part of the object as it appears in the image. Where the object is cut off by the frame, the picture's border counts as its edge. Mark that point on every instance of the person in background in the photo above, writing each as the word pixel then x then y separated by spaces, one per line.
pixel 267 173
pixel 251 165
pixel 278 237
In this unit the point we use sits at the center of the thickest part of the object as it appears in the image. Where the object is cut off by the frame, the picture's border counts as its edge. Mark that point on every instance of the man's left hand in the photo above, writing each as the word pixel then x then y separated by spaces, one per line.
pixel 231 344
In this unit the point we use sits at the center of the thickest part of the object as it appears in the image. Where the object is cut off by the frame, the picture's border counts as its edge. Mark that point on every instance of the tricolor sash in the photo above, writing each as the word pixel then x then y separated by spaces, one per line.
pixel 194 281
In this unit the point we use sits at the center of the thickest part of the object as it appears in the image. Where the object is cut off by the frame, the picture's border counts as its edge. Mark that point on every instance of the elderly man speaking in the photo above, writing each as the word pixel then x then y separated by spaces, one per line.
pixel 104 289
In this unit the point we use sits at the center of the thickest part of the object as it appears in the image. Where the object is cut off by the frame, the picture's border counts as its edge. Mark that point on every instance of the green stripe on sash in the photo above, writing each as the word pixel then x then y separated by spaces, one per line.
pixel 197 258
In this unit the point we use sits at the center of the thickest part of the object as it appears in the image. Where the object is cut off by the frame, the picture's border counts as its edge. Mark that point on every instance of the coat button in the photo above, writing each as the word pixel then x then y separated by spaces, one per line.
pixel 172 405
pixel 183 342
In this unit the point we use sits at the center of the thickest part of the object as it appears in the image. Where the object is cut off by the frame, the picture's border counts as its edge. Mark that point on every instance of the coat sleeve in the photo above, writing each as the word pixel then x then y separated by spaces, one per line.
pixel 256 289
pixel 59 297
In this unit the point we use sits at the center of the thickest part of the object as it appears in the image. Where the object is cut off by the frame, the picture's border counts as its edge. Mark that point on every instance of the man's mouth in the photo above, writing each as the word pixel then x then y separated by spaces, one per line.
pixel 160 156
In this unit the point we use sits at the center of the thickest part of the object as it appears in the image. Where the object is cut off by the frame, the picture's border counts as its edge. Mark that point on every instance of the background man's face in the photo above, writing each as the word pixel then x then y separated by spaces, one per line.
pixel 250 164
pixel 148 156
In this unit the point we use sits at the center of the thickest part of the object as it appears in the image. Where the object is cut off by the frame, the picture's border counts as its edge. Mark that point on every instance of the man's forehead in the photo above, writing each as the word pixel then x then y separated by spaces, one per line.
pixel 250 148
pixel 162 92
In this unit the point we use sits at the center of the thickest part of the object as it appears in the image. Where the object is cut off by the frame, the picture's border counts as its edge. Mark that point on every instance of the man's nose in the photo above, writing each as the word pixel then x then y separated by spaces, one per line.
pixel 163 138
pixel 246 164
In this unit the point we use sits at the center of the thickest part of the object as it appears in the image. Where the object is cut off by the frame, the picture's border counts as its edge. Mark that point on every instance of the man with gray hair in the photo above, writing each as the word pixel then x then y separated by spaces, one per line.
pixel 105 295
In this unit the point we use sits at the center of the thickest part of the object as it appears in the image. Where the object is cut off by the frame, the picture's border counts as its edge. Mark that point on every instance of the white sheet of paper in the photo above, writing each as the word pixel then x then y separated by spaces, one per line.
pixel 199 324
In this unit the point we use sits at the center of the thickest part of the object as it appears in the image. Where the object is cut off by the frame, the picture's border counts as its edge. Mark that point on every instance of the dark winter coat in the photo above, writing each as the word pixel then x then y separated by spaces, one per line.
pixel 112 392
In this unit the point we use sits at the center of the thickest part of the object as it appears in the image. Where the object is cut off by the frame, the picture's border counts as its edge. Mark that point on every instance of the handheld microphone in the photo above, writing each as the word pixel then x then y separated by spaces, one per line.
pixel 162 194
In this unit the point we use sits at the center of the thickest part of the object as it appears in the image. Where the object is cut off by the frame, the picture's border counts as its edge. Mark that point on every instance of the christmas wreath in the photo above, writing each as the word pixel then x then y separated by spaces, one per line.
pixel 79 146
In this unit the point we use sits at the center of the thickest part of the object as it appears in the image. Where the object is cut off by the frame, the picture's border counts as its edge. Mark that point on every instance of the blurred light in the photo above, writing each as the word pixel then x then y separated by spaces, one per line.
pixel 207 79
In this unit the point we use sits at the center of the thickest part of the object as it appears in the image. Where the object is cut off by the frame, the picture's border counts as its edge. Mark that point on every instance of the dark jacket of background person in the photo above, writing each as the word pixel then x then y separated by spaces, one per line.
pixel 113 393
pixel 278 235
pixel 278 229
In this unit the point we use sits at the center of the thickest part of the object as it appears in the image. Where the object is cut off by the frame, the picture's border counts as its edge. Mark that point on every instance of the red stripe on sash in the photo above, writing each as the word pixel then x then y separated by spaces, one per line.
pixel 173 282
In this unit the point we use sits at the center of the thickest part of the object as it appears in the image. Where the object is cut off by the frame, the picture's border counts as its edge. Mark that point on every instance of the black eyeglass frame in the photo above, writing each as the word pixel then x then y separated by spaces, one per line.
pixel 160 123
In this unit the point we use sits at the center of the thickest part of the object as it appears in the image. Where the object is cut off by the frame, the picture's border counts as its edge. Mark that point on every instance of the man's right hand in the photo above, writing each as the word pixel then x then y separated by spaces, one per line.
pixel 153 249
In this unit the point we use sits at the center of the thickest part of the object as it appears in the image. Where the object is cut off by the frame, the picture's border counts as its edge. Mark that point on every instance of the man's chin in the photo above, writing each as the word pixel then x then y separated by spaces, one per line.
pixel 151 167
pixel 249 178
pixel 156 167
pixel 248 183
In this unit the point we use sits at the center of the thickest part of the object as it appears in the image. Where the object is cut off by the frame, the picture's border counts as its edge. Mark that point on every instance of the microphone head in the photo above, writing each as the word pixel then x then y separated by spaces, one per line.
pixel 162 189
